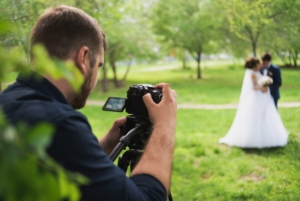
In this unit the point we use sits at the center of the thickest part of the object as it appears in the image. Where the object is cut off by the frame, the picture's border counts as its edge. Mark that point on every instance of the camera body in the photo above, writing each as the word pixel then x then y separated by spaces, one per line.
pixel 135 104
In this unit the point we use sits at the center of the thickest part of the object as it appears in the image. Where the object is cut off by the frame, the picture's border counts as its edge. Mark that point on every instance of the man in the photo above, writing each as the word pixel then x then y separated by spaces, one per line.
pixel 269 69
pixel 70 34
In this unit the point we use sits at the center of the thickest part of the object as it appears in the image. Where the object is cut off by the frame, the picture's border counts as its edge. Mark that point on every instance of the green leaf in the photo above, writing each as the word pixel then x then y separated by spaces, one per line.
pixel 57 69
pixel 63 184
pixel 10 134
pixel 39 137
pixel 2 118
pixel 4 26
pixel 74 192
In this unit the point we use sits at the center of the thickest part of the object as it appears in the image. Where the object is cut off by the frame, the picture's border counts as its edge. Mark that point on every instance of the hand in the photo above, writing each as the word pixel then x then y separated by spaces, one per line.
pixel 162 140
pixel 111 139
pixel 163 114
pixel 265 89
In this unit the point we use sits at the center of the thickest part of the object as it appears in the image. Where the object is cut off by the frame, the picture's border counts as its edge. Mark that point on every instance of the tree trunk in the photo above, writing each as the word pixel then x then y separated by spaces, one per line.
pixel 282 57
pixel 26 50
pixel 254 48
pixel 127 72
pixel 183 63
pixel 112 62
pixel 290 58
pixel 253 38
pixel 113 65
pixel 295 58
pixel 104 79
pixel 198 65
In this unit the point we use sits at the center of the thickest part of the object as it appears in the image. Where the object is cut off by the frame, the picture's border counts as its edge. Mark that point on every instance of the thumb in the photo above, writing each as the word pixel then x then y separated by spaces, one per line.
pixel 119 122
pixel 148 100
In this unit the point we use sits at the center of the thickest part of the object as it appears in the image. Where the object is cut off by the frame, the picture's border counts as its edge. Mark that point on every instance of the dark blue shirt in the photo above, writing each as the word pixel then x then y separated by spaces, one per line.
pixel 74 145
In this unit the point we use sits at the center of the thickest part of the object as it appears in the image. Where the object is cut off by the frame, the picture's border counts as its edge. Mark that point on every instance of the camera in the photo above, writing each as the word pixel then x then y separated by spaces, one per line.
pixel 135 106
pixel 134 103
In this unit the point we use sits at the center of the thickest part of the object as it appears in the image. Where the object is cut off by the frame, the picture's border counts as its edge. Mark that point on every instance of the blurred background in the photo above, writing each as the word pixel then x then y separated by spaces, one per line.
pixel 199 47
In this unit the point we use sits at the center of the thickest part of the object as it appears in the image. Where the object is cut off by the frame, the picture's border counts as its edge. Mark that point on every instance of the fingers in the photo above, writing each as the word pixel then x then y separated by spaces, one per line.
pixel 166 89
pixel 148 101
pixel 119 122
pixel 174 94
pixel 168 93
pixel 162 85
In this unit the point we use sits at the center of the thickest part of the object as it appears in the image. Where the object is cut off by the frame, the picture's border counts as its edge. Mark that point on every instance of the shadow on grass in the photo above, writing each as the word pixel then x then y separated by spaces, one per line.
pixel 266 151
pixel 290 151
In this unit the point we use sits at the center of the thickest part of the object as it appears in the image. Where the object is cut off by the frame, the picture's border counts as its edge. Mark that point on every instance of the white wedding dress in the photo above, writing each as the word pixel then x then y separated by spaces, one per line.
pixel 257 123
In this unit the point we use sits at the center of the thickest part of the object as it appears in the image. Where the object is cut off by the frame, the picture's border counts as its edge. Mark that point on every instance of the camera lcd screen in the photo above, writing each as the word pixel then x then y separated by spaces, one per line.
pixel 114 104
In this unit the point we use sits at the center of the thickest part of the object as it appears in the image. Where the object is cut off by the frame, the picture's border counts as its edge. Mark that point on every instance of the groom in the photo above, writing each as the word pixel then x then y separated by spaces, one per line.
pixel 274 72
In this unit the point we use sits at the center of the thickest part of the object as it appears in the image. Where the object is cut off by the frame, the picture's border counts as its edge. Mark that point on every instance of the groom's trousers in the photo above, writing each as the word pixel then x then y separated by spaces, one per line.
pixel 275 101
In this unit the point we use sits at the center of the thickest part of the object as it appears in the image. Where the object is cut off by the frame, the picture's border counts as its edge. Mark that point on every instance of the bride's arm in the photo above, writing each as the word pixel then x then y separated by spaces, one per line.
pixel 255 87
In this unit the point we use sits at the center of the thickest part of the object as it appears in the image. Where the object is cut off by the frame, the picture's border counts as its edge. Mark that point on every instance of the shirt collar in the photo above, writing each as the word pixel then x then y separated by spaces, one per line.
pixel 42 85
pixel 269 65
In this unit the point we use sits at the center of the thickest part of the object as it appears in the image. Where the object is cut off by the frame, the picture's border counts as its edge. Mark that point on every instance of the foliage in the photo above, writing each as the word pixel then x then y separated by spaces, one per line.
pixel 199 27
pixel 127 32
pixel 26 171
pixel 124 40
pixel 285 32
pixel 248 19
pixel 43 64
pixel 183 24
pixel 22 15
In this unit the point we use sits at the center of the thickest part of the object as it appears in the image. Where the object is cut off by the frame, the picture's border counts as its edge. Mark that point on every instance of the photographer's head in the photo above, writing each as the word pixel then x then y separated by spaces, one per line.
pixel 68 33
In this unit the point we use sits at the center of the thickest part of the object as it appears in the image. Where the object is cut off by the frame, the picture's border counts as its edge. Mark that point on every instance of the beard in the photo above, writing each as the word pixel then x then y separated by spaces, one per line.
pixel 79 99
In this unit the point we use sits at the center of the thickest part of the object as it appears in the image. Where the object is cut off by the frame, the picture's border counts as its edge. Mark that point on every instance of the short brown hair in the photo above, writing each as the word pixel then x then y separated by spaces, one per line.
pixel 266 57
pixel 251 62
pixel 64 29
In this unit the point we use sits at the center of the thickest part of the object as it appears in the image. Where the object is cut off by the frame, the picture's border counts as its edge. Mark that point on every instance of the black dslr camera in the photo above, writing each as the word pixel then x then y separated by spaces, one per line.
pixel 135 106
pixel 134 103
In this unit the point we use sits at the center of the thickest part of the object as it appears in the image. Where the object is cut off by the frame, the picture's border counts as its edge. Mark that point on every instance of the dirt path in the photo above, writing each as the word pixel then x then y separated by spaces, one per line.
pixel 208 106
pixel 197 106
pixel 7 83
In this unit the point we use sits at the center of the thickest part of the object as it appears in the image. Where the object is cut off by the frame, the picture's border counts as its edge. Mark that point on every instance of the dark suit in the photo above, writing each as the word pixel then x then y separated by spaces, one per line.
pixel 275 73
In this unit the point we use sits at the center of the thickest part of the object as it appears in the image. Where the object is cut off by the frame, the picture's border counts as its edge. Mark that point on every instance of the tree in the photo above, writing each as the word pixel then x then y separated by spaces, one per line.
pixel 22 15
pixel 248 19
pixel 283 35
pixel 124 23
pixel 127 33
pixel 184 24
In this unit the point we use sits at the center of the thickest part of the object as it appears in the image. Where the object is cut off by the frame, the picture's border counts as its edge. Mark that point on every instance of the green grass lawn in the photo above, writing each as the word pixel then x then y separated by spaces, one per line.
pixel 219 84
pixel 206 170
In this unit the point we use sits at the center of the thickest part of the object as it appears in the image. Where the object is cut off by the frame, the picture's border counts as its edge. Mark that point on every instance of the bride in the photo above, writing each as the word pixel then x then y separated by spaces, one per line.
pixel 257 123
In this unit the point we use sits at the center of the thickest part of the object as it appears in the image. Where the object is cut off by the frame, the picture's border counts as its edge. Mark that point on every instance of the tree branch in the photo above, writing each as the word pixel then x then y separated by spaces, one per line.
pixel 250 33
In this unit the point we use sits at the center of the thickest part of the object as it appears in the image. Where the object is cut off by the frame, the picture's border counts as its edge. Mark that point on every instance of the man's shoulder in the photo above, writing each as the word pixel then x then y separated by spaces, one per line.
pixel 275 66
pixel 31 107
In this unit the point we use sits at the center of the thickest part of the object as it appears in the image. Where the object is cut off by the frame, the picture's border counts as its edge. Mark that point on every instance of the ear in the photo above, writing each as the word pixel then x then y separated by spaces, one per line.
pixel 82 59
